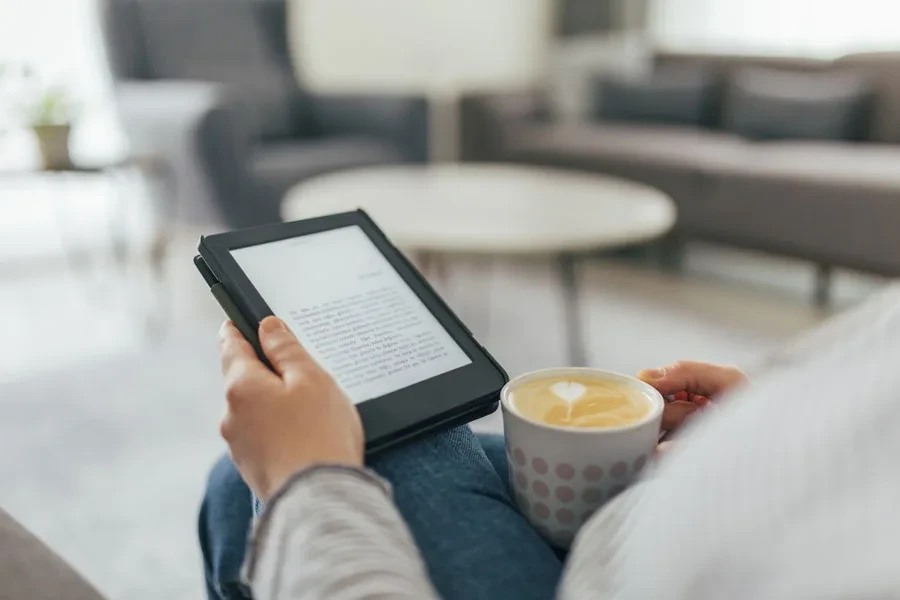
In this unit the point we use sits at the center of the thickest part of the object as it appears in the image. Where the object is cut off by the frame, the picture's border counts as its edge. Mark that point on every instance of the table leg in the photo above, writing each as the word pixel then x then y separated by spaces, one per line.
pixel 118 218
pixel 576 354
pixel 77 260
pixel 161 186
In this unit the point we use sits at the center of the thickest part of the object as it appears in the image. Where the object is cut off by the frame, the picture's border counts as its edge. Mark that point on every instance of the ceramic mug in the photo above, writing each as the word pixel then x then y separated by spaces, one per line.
pixel 561 475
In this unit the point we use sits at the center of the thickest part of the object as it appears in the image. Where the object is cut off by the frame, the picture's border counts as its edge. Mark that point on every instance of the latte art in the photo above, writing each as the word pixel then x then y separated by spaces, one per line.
pixel 579 401
pixel 570 391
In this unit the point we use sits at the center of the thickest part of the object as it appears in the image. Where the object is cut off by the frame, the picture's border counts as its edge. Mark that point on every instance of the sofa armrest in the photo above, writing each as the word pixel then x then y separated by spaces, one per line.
pixel 484 119
pixel 402 120
pixel 192 127
pixel 29 569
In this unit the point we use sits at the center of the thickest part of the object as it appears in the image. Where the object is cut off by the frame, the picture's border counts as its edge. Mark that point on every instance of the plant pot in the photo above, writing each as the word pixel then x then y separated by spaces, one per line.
pixel 53 141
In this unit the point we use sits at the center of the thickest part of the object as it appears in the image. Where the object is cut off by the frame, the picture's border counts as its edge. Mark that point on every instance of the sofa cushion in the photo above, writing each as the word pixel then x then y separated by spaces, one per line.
pixel 883 71
pixel 224 42
pixel 579 143
pixel 766 104
pixel 279 166
pixel 833 203
pixel 860 166
pixel 674 96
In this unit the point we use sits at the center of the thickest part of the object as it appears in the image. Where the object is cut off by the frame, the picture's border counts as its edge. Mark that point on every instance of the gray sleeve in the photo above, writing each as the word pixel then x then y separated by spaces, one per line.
pixel 333 533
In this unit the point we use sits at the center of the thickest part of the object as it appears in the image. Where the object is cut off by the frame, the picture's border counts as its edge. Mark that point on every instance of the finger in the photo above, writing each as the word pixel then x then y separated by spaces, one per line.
pixel 233 346
pixel 693 377
pixel 676 413
pixel 699 400
pixel 663 447
pixel 226 426
pixel 282 348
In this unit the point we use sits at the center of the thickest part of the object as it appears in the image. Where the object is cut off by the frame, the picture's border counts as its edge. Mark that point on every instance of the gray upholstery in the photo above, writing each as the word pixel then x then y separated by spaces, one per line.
pixel 161 49
pixel 674 96
pixel 221 42
pixel 29 570
pixel 824 202
pixel 657 145
pixel 278 166
pixel 883 71
pixel 833 202
pixel 671 159
pixel 776 104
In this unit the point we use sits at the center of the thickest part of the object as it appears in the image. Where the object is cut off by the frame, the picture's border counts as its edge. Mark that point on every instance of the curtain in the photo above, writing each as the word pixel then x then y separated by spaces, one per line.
pixel 815 28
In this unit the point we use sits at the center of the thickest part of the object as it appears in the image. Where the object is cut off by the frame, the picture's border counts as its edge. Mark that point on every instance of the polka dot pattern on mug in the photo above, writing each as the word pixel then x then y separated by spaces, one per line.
pixel 565 494
pixel 592 495
pixel 639 463
pixel 619 470
pixel 559 497
pixel 565 471
pixel 539 465
pixel 519 455
pixel 521 480
pixel 565 516
pixel 593 473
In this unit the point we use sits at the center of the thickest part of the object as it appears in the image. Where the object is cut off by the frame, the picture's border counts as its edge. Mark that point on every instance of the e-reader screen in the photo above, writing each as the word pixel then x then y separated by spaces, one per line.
pixel 352 311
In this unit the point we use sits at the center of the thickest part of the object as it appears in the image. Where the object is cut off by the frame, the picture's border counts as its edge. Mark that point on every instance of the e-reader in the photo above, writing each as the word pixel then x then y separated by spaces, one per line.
pixel 364 313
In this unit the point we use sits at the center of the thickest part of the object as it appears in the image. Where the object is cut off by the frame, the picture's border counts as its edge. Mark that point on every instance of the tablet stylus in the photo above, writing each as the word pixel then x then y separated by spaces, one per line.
pixel 231 310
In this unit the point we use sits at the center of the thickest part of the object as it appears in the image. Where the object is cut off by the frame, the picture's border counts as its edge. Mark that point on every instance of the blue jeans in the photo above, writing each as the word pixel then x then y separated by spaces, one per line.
pixel 452 489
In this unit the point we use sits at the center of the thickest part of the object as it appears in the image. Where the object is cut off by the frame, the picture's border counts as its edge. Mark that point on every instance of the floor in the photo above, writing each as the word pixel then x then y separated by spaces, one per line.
pixel 110 391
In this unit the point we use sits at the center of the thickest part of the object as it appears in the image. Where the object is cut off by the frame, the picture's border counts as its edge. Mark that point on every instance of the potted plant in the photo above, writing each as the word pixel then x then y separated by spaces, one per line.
pixel 50 118
pixel 47 110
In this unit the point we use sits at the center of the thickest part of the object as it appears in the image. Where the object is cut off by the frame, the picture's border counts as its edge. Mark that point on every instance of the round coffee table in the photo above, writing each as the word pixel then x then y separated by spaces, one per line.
pixel 497 210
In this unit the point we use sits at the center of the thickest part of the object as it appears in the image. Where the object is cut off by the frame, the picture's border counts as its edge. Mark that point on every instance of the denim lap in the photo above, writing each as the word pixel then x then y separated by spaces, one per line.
pixel 474 541
pixel 224 523
pixel 452 490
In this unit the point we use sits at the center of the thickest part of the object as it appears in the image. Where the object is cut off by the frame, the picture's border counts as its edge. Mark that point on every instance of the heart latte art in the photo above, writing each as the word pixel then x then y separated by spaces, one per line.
pixel 570 391
pixel 579 401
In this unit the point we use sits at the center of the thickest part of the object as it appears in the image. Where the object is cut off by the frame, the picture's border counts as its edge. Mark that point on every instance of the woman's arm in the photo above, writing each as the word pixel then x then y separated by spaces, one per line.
pixel 332 532
pixel 330 529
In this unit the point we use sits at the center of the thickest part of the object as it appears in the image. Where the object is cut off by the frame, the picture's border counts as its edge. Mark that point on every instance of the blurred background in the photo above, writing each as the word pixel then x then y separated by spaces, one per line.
pixel 760 141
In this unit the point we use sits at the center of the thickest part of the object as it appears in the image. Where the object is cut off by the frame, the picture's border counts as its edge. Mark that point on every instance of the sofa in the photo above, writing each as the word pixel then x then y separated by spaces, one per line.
pixel 208 86
pixel 817 185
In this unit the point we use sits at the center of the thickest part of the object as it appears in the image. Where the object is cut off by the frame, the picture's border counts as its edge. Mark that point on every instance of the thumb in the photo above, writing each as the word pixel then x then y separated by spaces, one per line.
pixel 282 348
pixel 693 377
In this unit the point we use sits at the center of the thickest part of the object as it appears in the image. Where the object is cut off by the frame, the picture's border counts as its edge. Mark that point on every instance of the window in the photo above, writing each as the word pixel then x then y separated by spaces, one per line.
pixel 816 28
pixel 61 41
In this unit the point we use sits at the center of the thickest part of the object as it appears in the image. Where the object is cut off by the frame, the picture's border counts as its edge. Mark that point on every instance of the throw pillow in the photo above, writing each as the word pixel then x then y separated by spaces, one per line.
pixel 674 96
pixel 766 104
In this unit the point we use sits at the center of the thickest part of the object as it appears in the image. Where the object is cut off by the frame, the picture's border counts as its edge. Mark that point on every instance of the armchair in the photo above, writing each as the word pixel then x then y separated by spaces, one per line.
pixel 208 85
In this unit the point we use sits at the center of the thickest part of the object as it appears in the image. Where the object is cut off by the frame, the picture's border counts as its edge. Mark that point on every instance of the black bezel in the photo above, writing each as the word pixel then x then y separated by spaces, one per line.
pixel 454 397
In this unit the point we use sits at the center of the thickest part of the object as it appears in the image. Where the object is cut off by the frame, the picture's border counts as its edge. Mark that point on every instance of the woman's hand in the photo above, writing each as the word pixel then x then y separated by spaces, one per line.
pixel 278 424
pixel 691 385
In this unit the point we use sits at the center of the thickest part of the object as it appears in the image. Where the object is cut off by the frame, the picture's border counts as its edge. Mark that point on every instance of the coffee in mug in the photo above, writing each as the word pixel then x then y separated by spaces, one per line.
pixel 581 400
pixel 575 438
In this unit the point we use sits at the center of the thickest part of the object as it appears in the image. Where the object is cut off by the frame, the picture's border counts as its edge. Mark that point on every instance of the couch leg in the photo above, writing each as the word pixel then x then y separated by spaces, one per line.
pixel 822 293
pixel 671 252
